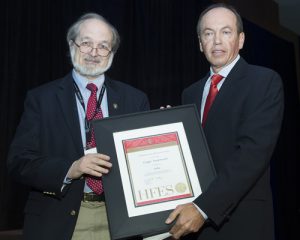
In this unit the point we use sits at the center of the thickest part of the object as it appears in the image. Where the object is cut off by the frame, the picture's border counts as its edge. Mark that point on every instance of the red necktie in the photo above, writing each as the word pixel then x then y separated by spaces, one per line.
pixel 93 113
pixel 213 91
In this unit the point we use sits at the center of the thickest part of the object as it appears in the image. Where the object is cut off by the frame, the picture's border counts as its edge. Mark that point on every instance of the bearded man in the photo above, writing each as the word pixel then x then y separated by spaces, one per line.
pixel 66 199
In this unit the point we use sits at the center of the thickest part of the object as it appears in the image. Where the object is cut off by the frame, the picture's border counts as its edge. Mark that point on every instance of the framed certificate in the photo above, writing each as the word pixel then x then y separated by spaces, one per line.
pixel 160 160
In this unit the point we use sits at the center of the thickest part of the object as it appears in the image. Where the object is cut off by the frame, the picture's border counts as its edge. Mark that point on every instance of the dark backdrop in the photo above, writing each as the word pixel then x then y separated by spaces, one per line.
pixel 159 54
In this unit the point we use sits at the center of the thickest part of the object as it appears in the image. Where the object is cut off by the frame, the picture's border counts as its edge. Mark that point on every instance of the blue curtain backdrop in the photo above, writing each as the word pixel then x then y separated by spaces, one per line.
pixel 159 54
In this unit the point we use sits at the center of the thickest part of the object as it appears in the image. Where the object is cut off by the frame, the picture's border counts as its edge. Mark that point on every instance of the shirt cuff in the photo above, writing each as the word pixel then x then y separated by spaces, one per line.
pixel 66 182
pixel 201 212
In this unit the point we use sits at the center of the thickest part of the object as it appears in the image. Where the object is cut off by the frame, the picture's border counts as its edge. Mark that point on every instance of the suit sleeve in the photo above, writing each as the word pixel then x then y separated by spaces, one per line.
pixel 26 161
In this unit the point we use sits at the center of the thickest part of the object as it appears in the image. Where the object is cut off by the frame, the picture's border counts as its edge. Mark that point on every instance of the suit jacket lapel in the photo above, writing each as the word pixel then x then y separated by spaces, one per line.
pixel 231 84
pixel 201 88
pixel 67 102
pixel 115 106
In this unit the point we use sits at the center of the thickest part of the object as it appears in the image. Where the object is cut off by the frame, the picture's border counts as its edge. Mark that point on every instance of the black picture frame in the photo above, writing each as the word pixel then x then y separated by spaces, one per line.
pixel 120 225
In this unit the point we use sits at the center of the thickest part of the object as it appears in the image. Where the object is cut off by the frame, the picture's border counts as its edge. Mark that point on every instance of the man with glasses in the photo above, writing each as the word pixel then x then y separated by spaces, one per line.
pixel 66 200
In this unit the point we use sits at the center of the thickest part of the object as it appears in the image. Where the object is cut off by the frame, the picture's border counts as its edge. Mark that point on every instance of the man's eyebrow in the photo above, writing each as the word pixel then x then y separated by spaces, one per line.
pixel 207 29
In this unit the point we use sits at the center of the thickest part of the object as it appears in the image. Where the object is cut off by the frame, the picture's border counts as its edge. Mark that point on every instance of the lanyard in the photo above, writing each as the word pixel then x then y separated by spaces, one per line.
pixel 87 124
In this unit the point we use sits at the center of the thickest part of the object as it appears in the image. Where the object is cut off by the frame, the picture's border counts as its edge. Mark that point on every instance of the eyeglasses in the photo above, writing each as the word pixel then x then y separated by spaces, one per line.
pixel 87 47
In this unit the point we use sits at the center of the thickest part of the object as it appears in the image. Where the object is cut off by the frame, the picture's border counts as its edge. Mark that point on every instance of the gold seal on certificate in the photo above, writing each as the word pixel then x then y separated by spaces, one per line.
pixel 180 187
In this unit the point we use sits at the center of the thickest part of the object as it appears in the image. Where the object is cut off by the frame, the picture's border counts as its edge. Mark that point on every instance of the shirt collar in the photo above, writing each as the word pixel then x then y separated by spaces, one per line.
pixel 82 81
pixel 226 70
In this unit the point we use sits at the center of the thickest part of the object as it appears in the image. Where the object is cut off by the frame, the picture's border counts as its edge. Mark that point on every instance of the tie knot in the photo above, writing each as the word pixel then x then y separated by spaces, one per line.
pixel 92 87
pixel 215 79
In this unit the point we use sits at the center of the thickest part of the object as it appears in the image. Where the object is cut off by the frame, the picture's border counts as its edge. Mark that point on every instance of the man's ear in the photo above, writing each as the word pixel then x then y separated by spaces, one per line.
pixel 200 45
pixel 241 40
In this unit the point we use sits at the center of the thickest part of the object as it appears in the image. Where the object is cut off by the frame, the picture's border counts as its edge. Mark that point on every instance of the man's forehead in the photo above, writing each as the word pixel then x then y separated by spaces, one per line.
pixel 218 17
pixel 95 28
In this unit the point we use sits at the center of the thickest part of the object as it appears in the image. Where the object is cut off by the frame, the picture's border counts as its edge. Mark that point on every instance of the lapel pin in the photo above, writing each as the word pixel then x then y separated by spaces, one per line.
pixel 115 105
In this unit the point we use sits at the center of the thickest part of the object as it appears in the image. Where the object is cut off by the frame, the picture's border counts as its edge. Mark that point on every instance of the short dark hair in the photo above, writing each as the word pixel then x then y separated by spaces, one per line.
pixel 239 22
pixel 75 28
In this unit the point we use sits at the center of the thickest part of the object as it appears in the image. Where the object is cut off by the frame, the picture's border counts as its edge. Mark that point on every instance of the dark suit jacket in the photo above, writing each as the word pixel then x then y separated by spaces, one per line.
pixel 47 142
pixel 241 129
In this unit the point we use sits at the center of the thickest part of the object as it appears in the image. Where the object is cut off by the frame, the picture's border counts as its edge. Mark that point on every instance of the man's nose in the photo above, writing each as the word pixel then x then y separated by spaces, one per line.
pixel 217 38
pixel 94 52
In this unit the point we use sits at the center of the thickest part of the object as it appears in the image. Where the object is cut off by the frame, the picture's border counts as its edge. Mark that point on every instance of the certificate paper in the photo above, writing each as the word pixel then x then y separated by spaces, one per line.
pixel 156 168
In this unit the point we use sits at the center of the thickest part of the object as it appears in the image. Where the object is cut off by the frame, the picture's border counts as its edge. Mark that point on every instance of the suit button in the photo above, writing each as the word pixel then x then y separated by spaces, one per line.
pixel 73 213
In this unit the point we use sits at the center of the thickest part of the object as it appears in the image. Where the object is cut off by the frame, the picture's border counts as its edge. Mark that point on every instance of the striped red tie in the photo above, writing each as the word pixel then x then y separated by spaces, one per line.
pixel 93 113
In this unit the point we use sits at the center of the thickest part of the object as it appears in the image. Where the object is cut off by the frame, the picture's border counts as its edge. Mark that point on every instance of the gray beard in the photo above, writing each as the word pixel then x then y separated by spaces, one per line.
pixel 90 72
